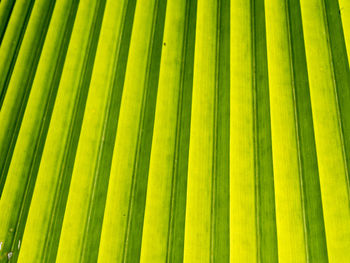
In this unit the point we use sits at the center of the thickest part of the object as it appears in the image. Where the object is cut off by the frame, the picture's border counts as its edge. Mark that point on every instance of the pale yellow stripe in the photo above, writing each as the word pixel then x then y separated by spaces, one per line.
pixel 289 214
pixel 199 188
pixel 327 132
pixel 344 6
pixel 243 247
pixel 157 212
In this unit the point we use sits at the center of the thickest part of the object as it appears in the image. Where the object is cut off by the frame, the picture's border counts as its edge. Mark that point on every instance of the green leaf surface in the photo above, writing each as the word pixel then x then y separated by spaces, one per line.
pixel 174 131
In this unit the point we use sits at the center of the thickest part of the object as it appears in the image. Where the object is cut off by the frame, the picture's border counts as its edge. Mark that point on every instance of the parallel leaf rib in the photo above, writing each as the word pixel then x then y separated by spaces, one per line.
pixel 243 228
pixel 309 181
pixel 289 212
pixel 54 175
pixel 207 208
pixel 329 145
pixel 177 220
pixel 175 131
pixel 6 8
pixel 23 74
pixel 122 223
pixel 80 58
pixel 167 185
pixel 11 42
pixel 265 196
pixel 341 70
pixel 162 175
pixel 16 197
pixel 221 203
pixel 344 10
pixel 197 246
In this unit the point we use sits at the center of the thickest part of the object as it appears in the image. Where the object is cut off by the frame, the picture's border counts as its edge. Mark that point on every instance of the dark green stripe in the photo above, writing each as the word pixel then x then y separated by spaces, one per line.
pixel 54 232
pixel 6 17
pixel 4 163
pixel 222 174
pixel 265 195
pixel 117 90
pixel 75 128
pixel 341 73
pixel 179 187
pixel 18 111
pixel 54 83
pixel 311 191
pixel 138 195
pixel 84 83
pixel 90 250
pixel 8 72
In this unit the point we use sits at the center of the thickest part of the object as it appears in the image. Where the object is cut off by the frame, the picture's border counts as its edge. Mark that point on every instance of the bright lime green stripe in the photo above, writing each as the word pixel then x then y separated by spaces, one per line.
pixel 13 37
pixel 345 17
pixel 115 223
pixel 159 190
pixel 198 227
pixel 6 7
pixel 327 133
pixel 289 213
pixel 243 241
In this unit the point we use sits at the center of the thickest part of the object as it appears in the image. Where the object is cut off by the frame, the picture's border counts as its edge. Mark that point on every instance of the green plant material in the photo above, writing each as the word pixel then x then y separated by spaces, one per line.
pixel 165 183
pixel 155 241
pixel 15 199
pixel 208 178
pixel 298 196
pixel 5 13
pixel 251 153
pixel 94 156
pixel 56 164
pixel 118 160
pixel 344 10
pixel 99 122
pixel 122 223
pixel 11 41
pixel 29 146
pixel 295 73
pixel 243 238
pixel 21 81
pixel 341 75
pixel 310 182
pixel 265 196
pixel 328 134
pixel 198 227
pixel 289 208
